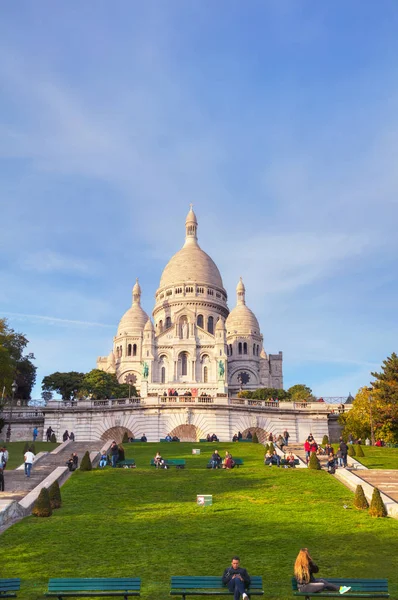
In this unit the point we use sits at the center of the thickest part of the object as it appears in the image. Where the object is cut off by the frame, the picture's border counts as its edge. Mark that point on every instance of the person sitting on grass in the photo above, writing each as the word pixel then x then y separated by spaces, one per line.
pixel 290 460
pixel 215 460
pixel 237 579
pixel 268 458
pixel 304 569
pixel 103 459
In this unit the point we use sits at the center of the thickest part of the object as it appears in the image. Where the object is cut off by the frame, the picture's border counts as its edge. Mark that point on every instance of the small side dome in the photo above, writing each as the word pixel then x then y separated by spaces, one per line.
pixel 137 288
pixel 242 321
pixel 133 321
pixel 220 326
pixel 149 326
pixel 241 286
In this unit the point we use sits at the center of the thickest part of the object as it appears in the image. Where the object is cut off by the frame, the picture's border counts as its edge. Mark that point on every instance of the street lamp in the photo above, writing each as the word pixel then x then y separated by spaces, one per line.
pixel 14 388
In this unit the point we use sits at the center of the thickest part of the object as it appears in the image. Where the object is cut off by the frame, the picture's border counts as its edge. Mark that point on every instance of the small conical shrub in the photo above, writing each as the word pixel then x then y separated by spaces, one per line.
pixel 53 439
pixel 255 438
pixel 55 495
pixel 360 501
pixel 125 439
pixel 271 448
pixel 266 448
pixel 86 465
pixel 42 506
pixel 121 452
pixel 351 451
pixel 377 508
pixel 325 440
pixel 314 462
pixel 359 450
pixel 26 447
pixel 29 446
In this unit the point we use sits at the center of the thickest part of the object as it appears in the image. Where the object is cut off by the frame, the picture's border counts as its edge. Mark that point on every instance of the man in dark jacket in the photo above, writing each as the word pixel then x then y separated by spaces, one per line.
pixel 114 450
pixel 237 579
pixel 344 451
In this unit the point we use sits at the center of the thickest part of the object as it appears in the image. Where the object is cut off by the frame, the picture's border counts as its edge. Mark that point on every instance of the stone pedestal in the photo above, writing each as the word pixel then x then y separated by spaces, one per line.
pixel 144 389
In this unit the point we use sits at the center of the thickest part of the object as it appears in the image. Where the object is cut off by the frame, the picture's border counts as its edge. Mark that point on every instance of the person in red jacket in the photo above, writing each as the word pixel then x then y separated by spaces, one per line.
pixel 307 448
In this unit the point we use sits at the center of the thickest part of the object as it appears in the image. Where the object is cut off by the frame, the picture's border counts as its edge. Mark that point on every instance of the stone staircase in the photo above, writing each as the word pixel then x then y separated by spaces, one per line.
pixel 298 450
pixel 17 485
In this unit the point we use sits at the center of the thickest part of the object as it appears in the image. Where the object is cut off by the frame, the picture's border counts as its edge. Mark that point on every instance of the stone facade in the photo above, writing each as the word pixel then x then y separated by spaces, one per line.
pixel 194 344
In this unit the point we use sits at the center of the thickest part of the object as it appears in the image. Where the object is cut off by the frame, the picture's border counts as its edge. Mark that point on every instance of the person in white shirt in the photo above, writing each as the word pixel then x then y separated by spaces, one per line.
pixel 29 457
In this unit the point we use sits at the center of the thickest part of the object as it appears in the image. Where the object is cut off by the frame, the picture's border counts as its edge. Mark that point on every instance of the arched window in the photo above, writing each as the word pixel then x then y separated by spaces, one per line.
pixel 227 350
pixel 184 363
pixel 230 349
pixel 240 348
pixel 258 350
pixel 121 351
pixel 129 350
pixel 254 349
pixel 168 322
pixel 163 375
pixel 134 349
pixel 205 375
pixel 244 348
pixel 220 352
pixel 200 321
pixel 210 325
pixel 160 326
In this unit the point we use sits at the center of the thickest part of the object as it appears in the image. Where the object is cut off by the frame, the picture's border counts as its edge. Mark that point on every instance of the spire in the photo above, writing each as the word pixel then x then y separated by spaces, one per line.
pixel 191 227
pixel 137 293
pixel 240 292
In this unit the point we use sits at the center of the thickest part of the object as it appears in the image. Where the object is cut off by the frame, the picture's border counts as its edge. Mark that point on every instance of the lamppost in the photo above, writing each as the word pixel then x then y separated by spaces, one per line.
pixel 14 388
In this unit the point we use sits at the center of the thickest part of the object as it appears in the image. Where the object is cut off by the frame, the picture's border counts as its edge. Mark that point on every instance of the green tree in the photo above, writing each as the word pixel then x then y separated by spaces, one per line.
pixel 15 364
pixel 325 440
pixel 351 451
pixel 55 495
pixel 357 420
pixel 100 384
pixel 65 384
pixel 300 393
pixel 255 438
pixel 377 507
pixel 360 501
pixel 86 464
pixel 314 462
pixel 42 506
pixel 385 400
pixel 359 451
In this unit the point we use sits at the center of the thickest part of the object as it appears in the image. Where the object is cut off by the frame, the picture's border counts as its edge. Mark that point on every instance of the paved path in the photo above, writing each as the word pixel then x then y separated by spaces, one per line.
pixel 385 480
pixel 17 485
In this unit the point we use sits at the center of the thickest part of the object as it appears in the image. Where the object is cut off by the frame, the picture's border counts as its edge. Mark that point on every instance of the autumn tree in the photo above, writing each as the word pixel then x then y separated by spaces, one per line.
pixel 15 363
pixel 301 393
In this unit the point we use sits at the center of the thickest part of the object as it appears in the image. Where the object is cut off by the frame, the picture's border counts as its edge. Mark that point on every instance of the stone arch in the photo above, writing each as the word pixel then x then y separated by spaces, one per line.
pixel 116 433
pixel 186 433
pixel 262 435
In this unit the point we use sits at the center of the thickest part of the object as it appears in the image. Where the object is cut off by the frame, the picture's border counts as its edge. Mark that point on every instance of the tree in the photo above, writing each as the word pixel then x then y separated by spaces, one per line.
pixel 301 393
pixel 47 396
pixel 42 506
pixel 53 438
pixel 14 363
pixel 385 400
pixel 359 451
pixel 125 439
pixel 357 420
pixel 377 507
pixel 86 464
pixel 314 462
pixel 351 451
pixel 325 440
pixel 255 438
pixel 65 384
pixel 55 495
pixel 360 501
pixel 100 384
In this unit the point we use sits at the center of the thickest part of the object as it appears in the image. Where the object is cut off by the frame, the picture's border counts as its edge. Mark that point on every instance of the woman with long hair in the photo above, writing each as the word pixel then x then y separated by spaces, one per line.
pixel 304 569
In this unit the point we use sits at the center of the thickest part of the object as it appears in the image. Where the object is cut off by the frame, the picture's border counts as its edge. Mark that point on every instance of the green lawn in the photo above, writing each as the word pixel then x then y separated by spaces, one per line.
pixel 145 522
pixel 379 458
pixel 16 451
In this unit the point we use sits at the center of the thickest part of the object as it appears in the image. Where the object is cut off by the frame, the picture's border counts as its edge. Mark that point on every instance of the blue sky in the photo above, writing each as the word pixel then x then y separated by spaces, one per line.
pixel 277 119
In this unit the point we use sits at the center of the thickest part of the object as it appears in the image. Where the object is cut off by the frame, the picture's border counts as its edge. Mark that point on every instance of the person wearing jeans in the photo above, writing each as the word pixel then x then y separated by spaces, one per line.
pixel 237 579
pixel 304 569
pixel 114 453
pixel 28 459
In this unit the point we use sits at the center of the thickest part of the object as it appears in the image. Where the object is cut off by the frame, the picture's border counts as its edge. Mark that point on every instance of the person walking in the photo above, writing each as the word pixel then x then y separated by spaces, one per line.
pixel 304 569
pixel 35 433
pixel 237 579
pixel 286 435
pixel 344 451
pixel 29 457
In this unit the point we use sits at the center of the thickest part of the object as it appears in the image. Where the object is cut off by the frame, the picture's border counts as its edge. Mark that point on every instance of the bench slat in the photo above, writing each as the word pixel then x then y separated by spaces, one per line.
pixel 360 588
pixel 7 585
pixel 57 586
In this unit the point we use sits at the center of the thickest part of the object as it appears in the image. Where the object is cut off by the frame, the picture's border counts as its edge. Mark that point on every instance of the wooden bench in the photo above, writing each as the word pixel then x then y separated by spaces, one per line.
pixel 178 463
pixel 8 587
pixel 360 588
pixel 284 462
pixel 209 586
pixel 128 463
pixel 94 586
pixel 238 463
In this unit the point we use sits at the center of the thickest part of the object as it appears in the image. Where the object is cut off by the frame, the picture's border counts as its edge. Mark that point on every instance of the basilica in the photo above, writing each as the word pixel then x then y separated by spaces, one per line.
pixel 194 346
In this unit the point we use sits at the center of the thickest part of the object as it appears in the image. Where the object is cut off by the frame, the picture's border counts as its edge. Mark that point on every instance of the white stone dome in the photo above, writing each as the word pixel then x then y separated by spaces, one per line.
pixel 133 321
pixel 191 264
pixel 242 321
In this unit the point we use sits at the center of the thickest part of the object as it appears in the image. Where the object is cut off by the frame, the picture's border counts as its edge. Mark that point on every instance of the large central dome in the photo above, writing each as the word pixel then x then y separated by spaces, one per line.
pixel 191 264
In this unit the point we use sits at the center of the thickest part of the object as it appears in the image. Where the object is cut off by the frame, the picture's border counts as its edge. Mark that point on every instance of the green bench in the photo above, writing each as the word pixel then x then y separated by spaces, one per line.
pixel 245 440
pixel 167 441
pixel 238 463
pixel 128 463
pixel 94 586
pixel 178 463
pixel 8 587
pixel 360 588
pixel 284 462
pixel 209 586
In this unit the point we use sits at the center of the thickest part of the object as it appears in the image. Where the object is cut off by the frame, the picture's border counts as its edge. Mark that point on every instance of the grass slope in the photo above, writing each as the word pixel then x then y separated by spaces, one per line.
pixel 145 522
pixel 379 458
pixel 15 450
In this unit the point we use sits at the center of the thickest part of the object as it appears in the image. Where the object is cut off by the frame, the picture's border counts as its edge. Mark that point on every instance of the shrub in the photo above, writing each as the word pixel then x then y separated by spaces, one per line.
pixel 314 462
pixel 53 439
pixel 255 438
pixel 266 448
pixel 29 446
pixel 325 440
pixel 271 448
pixel 55 495
pixel 42 506
pixel 360 501
pixel 85 464
pixel 377 508
pixel 125 439
pixel 121 452
pixel 351 451
pixel 359 450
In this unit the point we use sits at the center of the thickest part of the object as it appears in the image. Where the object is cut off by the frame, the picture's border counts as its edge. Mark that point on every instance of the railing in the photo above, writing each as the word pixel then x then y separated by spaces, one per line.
pixel 186 400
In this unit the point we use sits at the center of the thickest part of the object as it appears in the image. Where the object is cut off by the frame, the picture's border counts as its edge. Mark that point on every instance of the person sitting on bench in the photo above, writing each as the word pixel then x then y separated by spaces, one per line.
pixel 304 569
pixel 215 460
pixel 157 460
pixel 290 460
pixel 237 579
